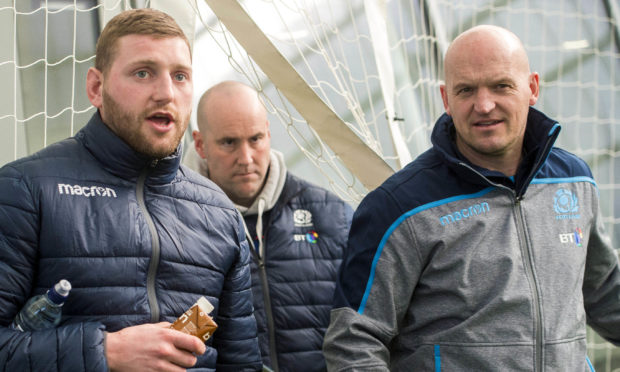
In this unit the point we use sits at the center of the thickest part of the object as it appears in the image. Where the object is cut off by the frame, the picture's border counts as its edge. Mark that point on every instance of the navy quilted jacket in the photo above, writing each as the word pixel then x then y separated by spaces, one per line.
pixel 140 241
pixel 293 285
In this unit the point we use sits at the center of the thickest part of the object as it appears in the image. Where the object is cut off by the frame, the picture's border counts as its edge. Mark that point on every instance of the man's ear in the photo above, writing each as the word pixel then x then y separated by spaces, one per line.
pixel 198 143
pixel 94 87
pixel 534 88
pixel 444 98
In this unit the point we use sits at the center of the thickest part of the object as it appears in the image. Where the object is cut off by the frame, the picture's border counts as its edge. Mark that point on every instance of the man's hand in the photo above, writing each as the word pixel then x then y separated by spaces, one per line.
pixel 151 347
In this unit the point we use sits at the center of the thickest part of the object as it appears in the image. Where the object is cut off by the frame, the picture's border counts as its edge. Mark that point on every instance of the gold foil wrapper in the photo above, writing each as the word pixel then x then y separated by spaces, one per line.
pixel 196 320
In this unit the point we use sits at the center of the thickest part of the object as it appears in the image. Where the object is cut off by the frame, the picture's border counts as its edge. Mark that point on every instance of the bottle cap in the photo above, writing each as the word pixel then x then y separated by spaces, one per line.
pixel 59 292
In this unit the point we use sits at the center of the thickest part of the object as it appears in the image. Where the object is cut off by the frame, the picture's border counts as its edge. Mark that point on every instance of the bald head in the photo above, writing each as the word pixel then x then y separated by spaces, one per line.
pixel 228 97
pixel 486 43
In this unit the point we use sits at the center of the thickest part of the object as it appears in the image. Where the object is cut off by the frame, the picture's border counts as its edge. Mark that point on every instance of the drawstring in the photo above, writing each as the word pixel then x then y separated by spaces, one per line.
pixel 259 227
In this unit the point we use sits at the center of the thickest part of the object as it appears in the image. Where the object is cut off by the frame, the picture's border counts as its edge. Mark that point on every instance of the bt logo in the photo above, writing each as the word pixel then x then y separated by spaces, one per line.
pixel 574 237
pixel 311 237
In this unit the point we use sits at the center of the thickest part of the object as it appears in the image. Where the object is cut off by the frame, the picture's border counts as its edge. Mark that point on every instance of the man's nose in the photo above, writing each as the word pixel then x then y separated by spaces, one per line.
pixel 484 101
pixel 164 89
pixel 245 154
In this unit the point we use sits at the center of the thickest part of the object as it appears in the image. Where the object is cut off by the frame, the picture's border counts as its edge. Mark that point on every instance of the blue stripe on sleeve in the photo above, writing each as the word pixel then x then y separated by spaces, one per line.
pixel 393 227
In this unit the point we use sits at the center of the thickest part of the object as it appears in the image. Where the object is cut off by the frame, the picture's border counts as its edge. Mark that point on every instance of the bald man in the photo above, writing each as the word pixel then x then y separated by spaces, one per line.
pixel 298 230
pixel 487 252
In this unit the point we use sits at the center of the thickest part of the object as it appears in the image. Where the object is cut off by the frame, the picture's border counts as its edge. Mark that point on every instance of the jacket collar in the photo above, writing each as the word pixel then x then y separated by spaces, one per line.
pixel 118 158
pixel 540 135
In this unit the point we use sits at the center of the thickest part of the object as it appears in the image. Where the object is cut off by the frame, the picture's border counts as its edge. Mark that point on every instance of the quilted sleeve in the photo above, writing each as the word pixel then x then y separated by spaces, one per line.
pixel 75 347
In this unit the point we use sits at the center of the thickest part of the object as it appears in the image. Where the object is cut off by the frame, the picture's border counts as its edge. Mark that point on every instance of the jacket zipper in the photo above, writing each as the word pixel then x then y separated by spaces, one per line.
pixel 529 270
pixel 155 252
pixel 529 266
pixel 262 271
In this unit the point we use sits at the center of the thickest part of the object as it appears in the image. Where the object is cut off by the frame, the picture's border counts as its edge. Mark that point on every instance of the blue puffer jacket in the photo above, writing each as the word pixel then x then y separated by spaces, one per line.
pixel 293 285
pixel 140 241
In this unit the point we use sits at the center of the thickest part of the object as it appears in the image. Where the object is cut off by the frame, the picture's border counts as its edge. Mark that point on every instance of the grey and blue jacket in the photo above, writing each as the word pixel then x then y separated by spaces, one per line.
pixel 140 241
pixel 452 267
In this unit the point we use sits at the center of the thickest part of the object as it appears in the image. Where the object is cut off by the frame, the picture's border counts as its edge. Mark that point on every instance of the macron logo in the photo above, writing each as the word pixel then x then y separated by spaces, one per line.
pixel 87 191
pixel 465 213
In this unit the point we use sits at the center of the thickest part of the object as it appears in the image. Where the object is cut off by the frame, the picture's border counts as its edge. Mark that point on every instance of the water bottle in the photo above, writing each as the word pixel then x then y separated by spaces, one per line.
pixel 43 311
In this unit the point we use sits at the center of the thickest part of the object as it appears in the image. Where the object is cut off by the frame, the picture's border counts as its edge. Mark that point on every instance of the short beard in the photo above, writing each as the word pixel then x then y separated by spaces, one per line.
pixel 126 126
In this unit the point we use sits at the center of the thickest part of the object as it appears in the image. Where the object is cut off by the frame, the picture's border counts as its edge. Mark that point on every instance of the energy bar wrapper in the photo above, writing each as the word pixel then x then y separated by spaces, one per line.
pixel 196 320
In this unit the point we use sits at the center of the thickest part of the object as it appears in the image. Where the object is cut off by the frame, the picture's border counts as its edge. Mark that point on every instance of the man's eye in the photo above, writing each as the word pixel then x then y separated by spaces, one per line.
pixel 142 74
pixel 180 77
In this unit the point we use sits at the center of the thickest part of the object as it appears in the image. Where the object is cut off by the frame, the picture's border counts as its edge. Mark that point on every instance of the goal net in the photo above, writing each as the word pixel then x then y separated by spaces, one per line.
pixel 378 66
pixel 351 86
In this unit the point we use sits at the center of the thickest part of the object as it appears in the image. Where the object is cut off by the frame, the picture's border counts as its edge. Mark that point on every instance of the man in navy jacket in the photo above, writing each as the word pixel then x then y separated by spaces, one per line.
pixel 139 237
pixel 298 230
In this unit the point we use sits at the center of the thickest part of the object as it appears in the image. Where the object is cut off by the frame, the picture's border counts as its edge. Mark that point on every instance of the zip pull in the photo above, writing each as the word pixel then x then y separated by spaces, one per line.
pixel 153 163
pixel 518 198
